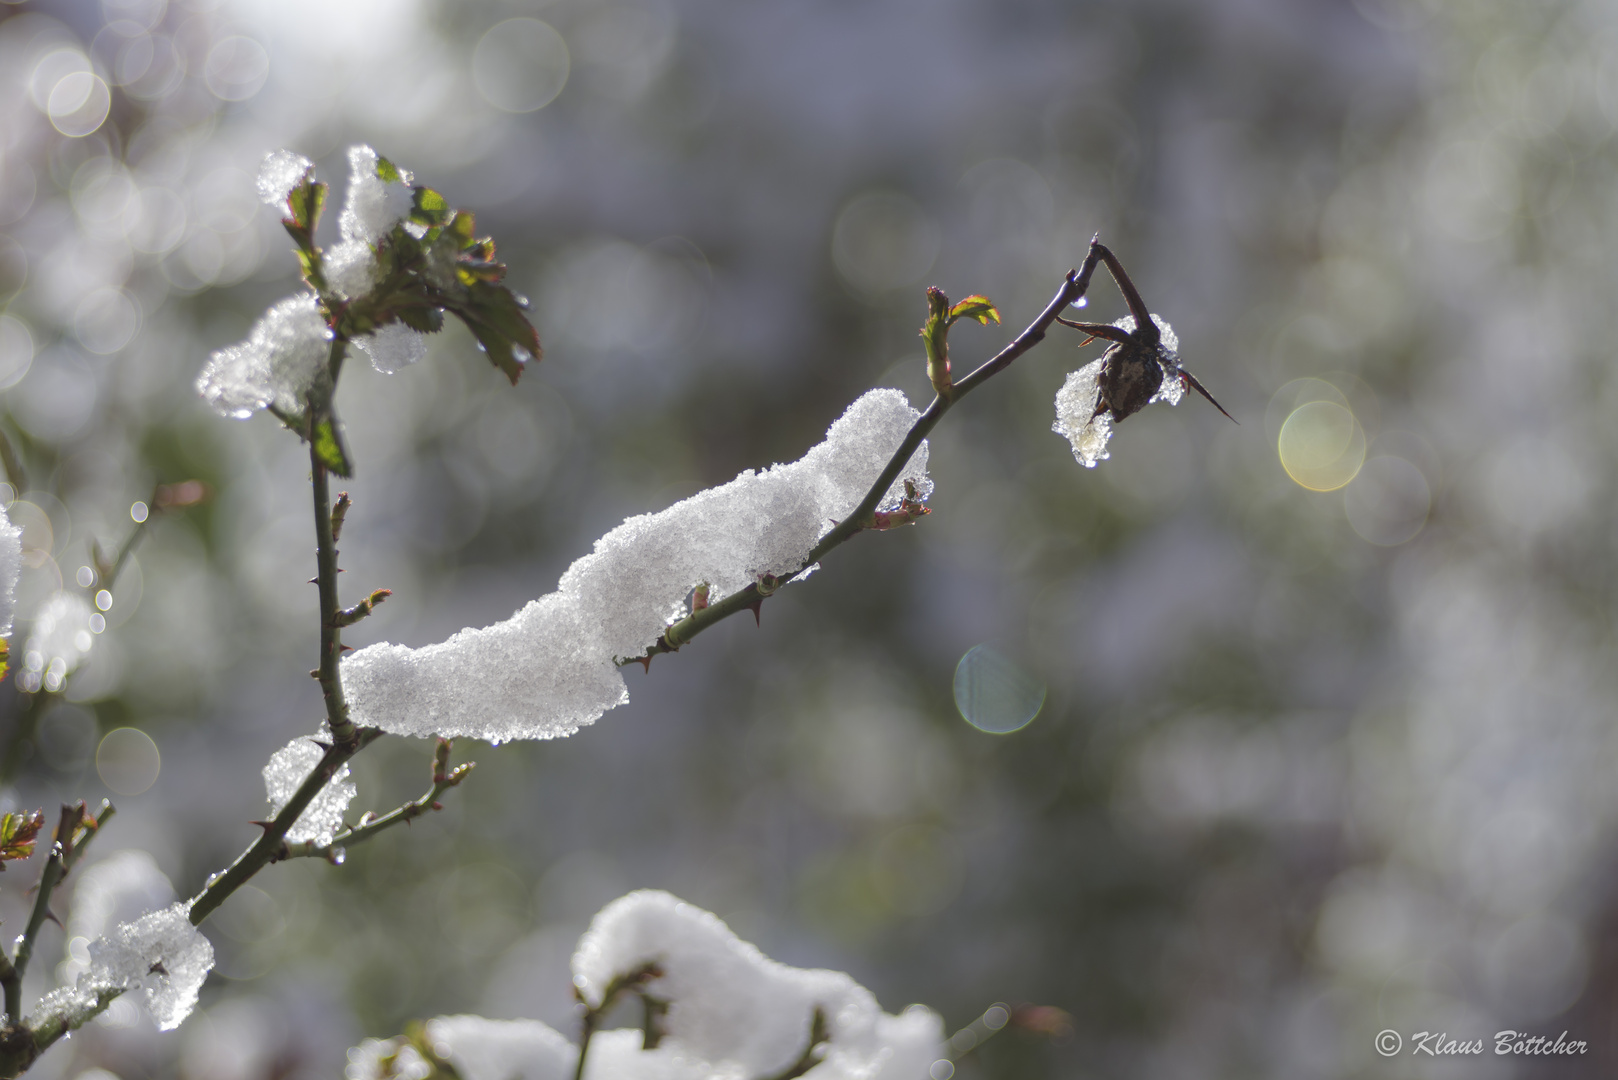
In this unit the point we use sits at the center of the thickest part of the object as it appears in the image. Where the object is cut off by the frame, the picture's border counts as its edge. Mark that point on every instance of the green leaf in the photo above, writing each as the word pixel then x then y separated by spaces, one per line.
pixel 496 319
pixel 423 320
pixel 306 201
pixel 329 447
pixel 387 170
pixel 309 261
pixel 980 308
pixel 18 833
pixel 429 207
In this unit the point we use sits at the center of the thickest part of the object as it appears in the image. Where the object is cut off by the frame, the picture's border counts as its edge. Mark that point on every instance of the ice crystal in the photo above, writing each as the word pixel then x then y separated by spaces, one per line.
pixel 160 952
pixel 287 770
pixel 393 346
pixel 1076 416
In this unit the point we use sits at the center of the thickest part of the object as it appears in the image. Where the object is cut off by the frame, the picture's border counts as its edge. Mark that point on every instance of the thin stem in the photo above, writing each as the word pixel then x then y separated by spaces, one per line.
pixel 331 633
pixel 271 846
pixel 1137 306
pixel 587 1030
pixel 347 739
pixel 366 829
pixel 812 1054
pixel 749 597
pixel 65 854
pixel 631 981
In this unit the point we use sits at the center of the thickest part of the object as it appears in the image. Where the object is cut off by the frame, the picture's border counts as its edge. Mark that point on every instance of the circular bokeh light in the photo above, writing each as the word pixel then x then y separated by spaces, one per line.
pixel 520 65
pixel 1321 445
pixel 127 761
pixel 994 694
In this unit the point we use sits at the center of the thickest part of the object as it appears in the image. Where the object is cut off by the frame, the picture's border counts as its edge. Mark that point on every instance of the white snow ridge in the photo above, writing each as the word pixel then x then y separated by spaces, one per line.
pixel 552 667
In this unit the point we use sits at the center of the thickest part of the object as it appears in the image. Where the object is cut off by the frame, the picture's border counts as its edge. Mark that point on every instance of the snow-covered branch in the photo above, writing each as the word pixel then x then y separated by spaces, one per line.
pixel 713 1005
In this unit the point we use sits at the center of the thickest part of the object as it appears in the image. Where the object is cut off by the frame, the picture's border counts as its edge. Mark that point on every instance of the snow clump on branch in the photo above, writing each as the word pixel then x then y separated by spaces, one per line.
pixel 280 173
pixel 276 366
pixel 287 770
pixel 393 346
pixel 117 889
pixel 552 667
pixel 733 1007
pixel 730 1012
pixel 373 207
pixel 160 952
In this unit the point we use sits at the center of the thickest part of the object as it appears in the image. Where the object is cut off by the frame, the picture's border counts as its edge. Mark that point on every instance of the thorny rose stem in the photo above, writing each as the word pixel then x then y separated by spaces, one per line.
pixel 749 598
pixel 270 847
pixel 347 739
pixel 331 634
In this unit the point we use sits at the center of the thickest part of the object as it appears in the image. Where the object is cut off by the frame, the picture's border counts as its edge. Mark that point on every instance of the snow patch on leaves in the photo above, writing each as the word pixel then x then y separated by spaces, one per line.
pixel 277 365
pixel 373 206
pixel 281 172
pixel 392 347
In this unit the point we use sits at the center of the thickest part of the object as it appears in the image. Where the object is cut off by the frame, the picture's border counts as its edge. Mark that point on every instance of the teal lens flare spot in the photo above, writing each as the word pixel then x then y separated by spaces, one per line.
pixel 994 694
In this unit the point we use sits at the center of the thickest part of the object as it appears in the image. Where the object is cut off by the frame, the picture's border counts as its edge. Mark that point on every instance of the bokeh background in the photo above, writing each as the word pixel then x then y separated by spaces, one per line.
pixel 1327 742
